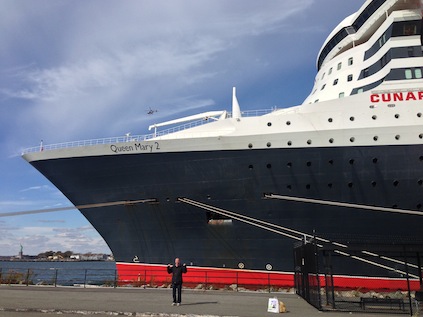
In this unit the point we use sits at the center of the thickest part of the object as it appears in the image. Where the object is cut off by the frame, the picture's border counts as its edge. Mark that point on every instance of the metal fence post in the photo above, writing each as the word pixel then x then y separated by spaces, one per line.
pixel 316 254
pixel 268 281
pixel 408 281
pixel 206 280
pixel 55 277
pixel 85 277
pixel 27 277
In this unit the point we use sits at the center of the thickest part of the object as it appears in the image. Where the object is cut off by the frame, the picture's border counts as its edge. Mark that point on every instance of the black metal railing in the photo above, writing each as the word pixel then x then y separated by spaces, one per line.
pixel 236 281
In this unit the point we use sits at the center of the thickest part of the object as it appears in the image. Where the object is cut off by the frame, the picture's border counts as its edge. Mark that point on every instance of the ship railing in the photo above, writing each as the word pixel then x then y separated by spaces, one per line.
pixel 136 138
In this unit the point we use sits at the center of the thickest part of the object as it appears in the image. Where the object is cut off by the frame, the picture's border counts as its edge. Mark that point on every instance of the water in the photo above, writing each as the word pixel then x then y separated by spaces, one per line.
pixel 58 273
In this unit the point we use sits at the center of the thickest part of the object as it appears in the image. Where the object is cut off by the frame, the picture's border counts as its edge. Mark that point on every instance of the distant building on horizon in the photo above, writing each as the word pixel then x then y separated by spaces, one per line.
pixel 20 255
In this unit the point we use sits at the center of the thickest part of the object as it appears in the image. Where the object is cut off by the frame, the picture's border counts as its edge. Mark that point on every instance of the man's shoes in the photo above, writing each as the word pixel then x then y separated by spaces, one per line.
pixel 178 304
pixel 173 304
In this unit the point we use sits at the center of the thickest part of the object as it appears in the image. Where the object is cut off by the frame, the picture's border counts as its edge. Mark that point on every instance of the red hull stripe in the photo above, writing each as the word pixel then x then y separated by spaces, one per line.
pixel 156 274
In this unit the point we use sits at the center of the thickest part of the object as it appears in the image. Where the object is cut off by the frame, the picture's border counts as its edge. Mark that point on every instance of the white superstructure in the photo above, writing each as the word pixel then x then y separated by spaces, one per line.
pixel 362 50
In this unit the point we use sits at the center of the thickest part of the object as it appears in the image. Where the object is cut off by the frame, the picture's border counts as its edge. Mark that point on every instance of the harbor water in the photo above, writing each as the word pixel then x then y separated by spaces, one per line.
pixel 58 273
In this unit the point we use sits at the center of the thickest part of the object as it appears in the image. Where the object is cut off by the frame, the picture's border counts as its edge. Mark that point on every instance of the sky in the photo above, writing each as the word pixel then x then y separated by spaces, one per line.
pixel 76 70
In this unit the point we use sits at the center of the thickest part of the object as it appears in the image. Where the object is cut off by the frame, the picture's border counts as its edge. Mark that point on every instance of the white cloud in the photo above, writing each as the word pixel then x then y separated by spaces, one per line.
pixel 111 58
pixel 36 188
pixel 40 239
pixel 51 221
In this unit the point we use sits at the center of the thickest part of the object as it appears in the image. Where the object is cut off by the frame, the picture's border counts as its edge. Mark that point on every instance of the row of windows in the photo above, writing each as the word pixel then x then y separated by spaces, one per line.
pixel 339 66
pixel 343 33
pixel 405 73
pixel 367 13
pixel 332 140
pixel 378 44
pixel 352 118
pixel 394 53
pixel 394 74
pixel 351 161
pixel 367 87
pixel 404 28
pixel 400 52
pixel 335 82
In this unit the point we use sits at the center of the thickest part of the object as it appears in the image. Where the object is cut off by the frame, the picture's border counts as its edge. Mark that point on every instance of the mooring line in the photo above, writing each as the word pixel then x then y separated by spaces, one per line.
pixel 341 204
pixel 234 216
pixel 107 204
pixel 250 220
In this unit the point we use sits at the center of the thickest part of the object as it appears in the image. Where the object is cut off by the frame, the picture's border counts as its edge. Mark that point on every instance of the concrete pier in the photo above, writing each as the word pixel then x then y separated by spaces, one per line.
pixel 43 301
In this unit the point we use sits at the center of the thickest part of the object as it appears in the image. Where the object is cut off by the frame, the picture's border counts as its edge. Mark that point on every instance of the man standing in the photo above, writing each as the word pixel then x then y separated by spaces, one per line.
pixel 177 270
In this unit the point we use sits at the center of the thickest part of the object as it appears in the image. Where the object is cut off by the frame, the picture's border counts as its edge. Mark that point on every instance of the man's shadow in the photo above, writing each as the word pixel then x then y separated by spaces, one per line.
pixel 199 303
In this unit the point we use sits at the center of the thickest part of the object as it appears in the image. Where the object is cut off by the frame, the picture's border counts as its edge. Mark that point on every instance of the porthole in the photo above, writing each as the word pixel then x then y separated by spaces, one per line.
pixel 289 187
pixel 352 139
pixel 374 117
pixel 308 186
pixel 308 163
pixel 269 165
pixel 241 265
pixel 331 162
pixel 352 118
pixel 250 146
pixel 419 206
pixel 330 120
pixel 350 185
pixel 288 123
pixel 269 144
pixel 269 124
pixel 330 185
pixel 308 142
pixel 397 116
pixel 331 140
pixel 421 158
pixel 373 183
pixel 250 167
pixel 374 160
pixel 208 197
pixel 269 267
pixel 419 114
pixel 289 164
pixel 421 135
pixel 420 182
pixel 351 161
pixel 395 206
pixel 395 183
pixel 397 137
pixel 289 143
pixel 375 138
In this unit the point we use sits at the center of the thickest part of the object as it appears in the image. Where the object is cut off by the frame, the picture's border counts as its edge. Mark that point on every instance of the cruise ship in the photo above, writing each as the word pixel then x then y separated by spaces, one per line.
pixel 230 190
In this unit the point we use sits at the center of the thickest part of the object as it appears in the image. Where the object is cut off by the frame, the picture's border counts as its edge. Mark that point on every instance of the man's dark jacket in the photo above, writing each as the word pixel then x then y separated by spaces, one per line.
pixel 177 273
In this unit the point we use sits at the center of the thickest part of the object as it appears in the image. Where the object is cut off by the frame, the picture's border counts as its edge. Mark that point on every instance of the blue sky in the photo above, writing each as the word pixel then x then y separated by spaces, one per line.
pixel 72 70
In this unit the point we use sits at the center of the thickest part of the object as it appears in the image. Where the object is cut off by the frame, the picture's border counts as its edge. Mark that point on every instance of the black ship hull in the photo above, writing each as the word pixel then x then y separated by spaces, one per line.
pixel 157 231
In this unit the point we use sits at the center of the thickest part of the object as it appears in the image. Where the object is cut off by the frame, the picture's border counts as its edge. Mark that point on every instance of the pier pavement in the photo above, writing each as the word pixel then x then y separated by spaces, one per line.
pixel 46 301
